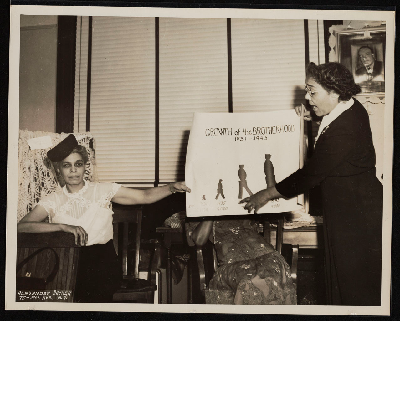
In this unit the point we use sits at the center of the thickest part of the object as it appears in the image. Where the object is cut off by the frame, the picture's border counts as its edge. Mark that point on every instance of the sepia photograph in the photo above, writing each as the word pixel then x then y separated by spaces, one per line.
pixel 363 52
pixel 217 161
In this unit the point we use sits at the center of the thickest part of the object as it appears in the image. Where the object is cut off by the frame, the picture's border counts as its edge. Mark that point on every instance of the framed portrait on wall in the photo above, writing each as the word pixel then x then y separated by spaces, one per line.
pixel 363 53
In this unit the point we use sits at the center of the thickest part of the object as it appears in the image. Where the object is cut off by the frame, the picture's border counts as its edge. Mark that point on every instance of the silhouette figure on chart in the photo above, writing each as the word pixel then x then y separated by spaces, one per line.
pixel 243 182
pixel 220 190
pixel 204 197
pixel 269 171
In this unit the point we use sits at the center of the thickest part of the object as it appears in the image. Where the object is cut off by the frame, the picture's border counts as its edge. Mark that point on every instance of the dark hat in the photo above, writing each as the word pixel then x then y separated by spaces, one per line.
pixel 63 149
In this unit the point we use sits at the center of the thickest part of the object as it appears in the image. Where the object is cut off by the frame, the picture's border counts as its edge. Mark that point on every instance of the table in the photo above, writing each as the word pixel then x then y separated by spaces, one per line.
pixel 307 237
pixel 304 237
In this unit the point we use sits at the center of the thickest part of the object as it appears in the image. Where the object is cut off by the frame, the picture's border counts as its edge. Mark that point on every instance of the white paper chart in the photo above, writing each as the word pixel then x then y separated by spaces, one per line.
pixel 233 155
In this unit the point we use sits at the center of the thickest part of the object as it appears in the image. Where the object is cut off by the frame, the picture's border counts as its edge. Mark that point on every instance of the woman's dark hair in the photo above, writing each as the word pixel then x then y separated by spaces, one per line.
pixel 334 77
pixel 82 151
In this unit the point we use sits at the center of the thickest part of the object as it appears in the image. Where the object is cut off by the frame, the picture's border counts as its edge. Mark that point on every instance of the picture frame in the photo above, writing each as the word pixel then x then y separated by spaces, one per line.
pixel 363 53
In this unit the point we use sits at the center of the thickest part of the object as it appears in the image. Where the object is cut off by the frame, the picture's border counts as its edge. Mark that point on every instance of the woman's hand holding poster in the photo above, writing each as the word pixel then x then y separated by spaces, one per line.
pixel 230 156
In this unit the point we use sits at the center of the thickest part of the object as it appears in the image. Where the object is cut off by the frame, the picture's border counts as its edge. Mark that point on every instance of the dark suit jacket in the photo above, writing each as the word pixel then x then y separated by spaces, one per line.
pixel 344 149
pixel 344 164
pixel 378 69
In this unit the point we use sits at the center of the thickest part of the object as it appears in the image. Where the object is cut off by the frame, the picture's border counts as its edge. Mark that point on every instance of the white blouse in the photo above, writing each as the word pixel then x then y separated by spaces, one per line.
pixel 89 208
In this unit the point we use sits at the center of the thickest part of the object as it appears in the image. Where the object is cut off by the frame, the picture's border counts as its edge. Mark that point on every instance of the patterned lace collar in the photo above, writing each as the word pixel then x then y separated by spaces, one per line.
pixel 78 193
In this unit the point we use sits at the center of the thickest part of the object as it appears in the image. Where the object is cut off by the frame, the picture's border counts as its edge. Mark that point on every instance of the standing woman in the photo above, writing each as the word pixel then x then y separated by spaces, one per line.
pixel 343 164
pixel 84 209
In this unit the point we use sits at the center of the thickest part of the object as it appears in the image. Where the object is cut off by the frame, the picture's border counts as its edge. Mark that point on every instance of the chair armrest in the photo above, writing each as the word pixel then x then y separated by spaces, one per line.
pixel 207 264
pixel 48 239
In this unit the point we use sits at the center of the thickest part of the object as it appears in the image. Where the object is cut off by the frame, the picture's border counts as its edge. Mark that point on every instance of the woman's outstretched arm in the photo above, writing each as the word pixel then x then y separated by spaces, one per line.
pixel 129 196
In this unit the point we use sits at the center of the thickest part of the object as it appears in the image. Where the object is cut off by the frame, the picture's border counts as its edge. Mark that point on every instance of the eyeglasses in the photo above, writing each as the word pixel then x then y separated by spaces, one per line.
pixel 309 91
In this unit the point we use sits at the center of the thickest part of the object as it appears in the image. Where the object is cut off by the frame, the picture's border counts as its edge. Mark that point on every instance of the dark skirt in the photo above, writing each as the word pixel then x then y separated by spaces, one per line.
pixel 353 239
pixel 99 275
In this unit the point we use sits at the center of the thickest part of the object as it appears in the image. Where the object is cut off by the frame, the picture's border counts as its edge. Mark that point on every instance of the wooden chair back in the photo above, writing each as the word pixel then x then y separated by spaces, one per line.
pixel 58 246
pixel 127 222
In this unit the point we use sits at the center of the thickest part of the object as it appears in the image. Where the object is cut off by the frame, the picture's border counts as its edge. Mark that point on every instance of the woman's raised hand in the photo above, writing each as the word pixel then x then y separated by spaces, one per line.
pixel 307 114
pixel 81 237
pixel 256 201
pixel 179 187
pixel 260 199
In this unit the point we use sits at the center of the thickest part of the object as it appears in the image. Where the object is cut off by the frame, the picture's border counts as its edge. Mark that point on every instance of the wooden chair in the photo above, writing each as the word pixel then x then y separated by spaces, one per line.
pixel 127 236
pixel 54 266
pixel 207 262
pixel 39 255
pixel 46 266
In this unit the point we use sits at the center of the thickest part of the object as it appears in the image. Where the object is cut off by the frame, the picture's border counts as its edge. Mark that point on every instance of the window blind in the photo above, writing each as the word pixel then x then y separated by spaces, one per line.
pixel 193 77
pixel 267 64
pixel 268 58
pixel 81 71
pixel 316 40
pixel 122 106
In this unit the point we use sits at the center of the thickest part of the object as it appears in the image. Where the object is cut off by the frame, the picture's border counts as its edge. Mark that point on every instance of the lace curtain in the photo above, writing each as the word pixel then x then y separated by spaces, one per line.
pixel 35 179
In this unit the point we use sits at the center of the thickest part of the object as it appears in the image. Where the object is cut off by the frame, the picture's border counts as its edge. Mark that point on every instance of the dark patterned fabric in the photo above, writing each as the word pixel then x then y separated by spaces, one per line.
pixel 245 259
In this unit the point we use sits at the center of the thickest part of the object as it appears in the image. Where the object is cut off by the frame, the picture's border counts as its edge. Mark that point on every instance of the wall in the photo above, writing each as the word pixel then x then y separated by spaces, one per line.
pixel 37 76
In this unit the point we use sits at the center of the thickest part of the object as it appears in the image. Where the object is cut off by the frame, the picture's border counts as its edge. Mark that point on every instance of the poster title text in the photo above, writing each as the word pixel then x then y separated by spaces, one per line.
pixel 256 130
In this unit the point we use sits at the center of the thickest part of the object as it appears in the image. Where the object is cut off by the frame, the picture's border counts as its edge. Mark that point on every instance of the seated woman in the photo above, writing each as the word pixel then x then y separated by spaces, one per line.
pixel 250 270
pixel 84 209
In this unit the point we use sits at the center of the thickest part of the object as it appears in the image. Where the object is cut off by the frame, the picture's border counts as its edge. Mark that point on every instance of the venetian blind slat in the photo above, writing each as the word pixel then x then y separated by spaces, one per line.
pixel 193 77
pixel 122 109
pixel 267 64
